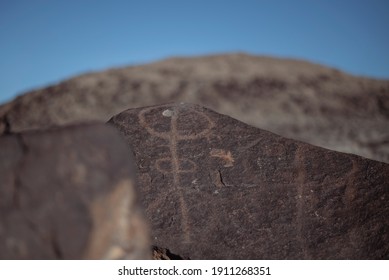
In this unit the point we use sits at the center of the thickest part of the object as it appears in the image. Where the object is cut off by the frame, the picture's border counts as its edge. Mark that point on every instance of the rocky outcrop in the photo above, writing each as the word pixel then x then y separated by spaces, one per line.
pixel 69 194
pixel 295 99
pixel 216 188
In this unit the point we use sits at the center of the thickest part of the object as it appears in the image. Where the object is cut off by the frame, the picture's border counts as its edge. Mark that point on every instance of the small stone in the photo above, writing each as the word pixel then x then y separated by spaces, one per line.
pixel 167 113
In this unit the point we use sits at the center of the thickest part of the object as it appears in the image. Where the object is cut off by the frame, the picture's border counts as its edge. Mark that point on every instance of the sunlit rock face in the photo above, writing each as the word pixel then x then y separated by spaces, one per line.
pixel 69 193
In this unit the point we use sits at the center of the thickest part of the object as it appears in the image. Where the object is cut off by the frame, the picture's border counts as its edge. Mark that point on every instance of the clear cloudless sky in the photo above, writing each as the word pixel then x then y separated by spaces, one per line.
pixel 44 42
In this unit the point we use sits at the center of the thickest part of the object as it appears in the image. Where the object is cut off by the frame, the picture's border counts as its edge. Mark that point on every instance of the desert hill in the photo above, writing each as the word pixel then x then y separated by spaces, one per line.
pixel 295 99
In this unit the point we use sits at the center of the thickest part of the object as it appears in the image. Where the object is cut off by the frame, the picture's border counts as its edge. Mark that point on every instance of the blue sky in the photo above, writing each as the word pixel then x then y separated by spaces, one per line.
pixel 44 42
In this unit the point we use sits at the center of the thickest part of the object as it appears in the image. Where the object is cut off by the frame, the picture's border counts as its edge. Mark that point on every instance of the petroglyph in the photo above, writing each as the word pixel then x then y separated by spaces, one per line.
pixel 164 165
pixel 225 156
pixel 350 192
pixel 174 164
pixel 300 182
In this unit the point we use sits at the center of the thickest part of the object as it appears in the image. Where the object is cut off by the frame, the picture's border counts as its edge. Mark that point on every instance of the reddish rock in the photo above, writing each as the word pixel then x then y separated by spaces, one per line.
pixel 216 188
pixel 69 194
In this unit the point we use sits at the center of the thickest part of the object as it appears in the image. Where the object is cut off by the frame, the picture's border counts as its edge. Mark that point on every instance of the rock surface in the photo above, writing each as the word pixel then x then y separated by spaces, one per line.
pixel 69 194
pixel 216 188
pixel 164 254
pixel 295 99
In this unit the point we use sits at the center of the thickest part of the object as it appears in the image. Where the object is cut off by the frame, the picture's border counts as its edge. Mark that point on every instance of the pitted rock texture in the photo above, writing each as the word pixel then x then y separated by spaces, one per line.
pixel 216 188
pixel 69 194
pixel 295 99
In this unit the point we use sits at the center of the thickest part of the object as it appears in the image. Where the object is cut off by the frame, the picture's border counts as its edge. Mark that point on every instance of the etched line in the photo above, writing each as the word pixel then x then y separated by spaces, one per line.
pixel 143 122
pixel 167 135
pixel 301 178
pixel 176 178
pixel 350 191
pixel 163 165
pixel 225 156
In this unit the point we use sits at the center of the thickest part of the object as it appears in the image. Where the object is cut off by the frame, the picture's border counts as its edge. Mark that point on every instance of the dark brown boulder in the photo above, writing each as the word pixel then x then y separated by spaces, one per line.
pixel 216 188
pixel 69 194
